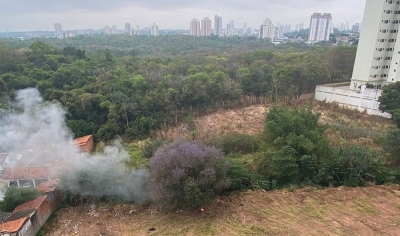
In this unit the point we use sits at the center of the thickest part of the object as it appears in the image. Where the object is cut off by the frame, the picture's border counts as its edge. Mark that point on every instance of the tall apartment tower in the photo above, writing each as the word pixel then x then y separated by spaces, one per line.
pixel 218 26
pixel 107 30
pixel 206 27
pixel 267 29
pixel 320 27
pixel 245 28
pixel 378 52
pixel 195 27
pixel 58 30
pixel 128 29
pixel 154 29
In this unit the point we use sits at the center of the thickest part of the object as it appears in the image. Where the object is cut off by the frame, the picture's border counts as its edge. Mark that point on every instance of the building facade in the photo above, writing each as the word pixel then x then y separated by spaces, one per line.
pixel 154 29
pixel 320 27
pixel 378 54
pixel 128 29
pixel 267 29
pixel 195 27
pixel 206 27
pixel 218 26
pixel 58 30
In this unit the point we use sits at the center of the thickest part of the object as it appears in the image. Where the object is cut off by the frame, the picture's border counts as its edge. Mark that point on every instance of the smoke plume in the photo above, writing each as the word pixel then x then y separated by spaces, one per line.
pixel 34 133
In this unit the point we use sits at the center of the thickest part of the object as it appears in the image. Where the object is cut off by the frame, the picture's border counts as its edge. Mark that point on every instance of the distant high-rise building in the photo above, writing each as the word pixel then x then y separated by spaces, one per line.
pixel 267 29
pixel 58 30
pixel 195 28
pixel 278 33
pixel 355 28
pixel 218 26
pixel 378 52
pixel 114 29
pixel 107 30
pixel 320 27
pixel 206 27
pixel 128 29
pixel 154 29
pixel 232 25
pixel 245 28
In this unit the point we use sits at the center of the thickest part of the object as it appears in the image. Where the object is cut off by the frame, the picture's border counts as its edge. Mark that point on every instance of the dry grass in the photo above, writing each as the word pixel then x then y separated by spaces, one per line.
pixel 373 210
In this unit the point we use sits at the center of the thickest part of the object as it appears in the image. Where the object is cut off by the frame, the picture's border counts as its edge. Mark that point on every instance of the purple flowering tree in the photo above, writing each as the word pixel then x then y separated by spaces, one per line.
pixel 187 175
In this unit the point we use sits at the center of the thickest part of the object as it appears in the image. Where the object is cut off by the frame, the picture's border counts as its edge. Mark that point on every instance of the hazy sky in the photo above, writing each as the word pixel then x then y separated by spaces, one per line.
pixel 18 15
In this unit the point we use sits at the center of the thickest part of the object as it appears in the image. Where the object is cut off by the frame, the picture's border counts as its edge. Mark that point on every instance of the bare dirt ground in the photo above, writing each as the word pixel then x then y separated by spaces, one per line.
pixel 248 120
pixel 373 210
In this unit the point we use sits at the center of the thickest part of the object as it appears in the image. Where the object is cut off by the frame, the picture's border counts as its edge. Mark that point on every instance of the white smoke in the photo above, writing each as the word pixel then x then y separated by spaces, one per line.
pixel 36 132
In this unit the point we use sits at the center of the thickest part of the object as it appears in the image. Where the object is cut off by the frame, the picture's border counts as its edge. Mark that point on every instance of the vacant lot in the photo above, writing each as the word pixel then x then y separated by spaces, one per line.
pixel 371 210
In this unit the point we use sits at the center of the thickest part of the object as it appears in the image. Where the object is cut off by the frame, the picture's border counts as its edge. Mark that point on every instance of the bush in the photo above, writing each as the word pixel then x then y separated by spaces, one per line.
pixel 187 175
pixel 150 147
pixel 17 196
pixel 236 143
pixel 295 147
pixel 242 178
pixel 356 165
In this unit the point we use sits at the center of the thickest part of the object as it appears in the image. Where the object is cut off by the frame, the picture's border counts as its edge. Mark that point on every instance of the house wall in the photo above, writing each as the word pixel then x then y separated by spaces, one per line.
pixel 39 219
pixel 364 100
pixel 89 145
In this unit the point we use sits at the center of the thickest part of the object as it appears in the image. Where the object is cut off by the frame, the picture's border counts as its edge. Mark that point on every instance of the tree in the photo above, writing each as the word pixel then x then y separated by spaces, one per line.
pixel 17 196
pixel 187 174
pixel 390 101
pixel 299 148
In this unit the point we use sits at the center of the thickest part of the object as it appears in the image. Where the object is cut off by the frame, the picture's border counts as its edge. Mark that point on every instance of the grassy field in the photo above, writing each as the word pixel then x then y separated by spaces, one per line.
pixel 373 210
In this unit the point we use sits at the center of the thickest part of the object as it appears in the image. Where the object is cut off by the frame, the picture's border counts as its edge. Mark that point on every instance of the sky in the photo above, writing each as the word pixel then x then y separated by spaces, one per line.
pixel 27 15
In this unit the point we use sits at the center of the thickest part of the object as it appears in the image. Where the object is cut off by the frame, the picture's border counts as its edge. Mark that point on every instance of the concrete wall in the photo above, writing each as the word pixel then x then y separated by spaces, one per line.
pixel 364 100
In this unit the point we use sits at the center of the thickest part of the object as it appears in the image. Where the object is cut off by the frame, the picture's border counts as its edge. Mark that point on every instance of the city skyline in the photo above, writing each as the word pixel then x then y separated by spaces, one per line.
pixel 26 15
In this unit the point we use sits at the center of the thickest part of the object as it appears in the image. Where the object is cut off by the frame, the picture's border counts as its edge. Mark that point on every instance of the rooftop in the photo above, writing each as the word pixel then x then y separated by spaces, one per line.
pixel 48 186
pixel 82 140
pixel 27 173
pixel 12 226
pixel 34 204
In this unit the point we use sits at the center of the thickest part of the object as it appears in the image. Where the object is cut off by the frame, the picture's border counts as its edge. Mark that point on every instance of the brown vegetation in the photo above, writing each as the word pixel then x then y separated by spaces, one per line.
pixel 371 210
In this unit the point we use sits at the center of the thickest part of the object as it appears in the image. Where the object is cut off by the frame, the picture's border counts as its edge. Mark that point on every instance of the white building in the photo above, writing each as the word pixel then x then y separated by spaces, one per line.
pixel 320 27
pixel 107 30
pixel 154 29
pixel 195 27
pixel 206 27
pixel 378 53
pixel 218 26
pixel 267 29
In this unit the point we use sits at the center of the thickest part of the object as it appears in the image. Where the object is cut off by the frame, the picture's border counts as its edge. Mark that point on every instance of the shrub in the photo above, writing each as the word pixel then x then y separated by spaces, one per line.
pixel 296 147
pixel 242 178
pixel 236 143
pixel 187 175
pixel 150 147
pixel 17 196
pixel 356 165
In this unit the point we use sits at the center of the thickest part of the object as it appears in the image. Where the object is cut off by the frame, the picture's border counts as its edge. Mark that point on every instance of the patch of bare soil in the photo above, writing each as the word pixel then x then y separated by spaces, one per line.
pixel 248 120
pixel 373 210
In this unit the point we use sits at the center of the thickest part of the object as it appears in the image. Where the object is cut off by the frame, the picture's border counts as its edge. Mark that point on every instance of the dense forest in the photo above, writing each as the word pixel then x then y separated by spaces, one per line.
pixel 131 86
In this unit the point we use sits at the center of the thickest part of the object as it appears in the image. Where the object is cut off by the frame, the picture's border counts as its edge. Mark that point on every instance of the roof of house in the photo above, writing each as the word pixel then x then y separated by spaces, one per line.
pixel 34 204
pixel 21 214
pixel 82 140
pixel 27 173
pixel 12 226
pixel 48 186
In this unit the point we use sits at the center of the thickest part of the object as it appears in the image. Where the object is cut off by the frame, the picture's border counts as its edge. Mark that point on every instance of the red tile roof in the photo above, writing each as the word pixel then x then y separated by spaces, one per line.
pixel 12 226
pixel 82 140
pixel 27 173
pixel 34 204
pixel 48 186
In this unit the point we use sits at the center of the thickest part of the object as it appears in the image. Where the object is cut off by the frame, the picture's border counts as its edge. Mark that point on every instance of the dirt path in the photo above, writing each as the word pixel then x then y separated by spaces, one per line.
pixel 371 210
